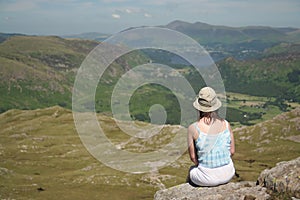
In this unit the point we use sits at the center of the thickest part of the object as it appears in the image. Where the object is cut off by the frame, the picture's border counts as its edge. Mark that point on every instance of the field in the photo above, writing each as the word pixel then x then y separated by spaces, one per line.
pixel 42 156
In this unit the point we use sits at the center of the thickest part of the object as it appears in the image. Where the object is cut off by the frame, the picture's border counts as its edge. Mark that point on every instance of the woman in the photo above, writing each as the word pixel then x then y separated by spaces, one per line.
pixel 211 143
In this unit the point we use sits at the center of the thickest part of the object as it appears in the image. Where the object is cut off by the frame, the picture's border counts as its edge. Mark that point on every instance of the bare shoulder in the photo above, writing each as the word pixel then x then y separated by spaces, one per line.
pixel 192 130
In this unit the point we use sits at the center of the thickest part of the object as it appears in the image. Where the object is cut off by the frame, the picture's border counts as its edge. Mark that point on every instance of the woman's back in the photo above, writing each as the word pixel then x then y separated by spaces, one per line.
pixel 213 146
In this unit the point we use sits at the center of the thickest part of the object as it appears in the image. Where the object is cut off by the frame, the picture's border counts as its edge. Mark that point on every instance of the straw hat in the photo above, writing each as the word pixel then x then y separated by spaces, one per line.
pixel 207 100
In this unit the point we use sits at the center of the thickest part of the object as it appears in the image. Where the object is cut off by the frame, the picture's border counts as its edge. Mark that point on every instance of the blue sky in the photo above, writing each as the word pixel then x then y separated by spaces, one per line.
pixel 58 17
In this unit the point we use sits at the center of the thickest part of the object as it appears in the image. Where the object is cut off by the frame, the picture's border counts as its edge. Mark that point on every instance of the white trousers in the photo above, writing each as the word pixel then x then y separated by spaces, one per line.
pixel 203 176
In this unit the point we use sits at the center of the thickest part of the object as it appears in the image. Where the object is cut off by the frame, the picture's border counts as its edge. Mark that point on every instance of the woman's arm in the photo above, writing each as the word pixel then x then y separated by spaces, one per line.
pixel 191 145
pixel 232 145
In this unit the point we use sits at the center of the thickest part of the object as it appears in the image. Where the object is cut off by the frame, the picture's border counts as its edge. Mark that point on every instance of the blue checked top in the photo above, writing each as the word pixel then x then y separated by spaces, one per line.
pixel 213 150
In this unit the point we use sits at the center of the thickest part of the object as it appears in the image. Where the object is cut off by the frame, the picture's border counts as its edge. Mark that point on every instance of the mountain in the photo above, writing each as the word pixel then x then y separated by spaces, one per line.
pixel 276 74
pixel 38 71
pixel 223 41
pixel 209 34
pixel 238 42
pixel 42 156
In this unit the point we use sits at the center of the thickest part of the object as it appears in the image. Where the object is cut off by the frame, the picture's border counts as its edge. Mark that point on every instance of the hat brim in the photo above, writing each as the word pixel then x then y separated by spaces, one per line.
pixel 215 107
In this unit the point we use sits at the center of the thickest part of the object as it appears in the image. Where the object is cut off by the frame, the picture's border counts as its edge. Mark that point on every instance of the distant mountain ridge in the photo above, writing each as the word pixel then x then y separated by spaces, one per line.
pixel 243 42
pixel 222 41
pixel 207 33
pixel 239 42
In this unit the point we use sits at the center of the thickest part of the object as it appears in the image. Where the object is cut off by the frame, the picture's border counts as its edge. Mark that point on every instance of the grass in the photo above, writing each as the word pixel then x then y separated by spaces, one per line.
pixel 39 71
pixel 42 157
pixel 41 150
pixel 245 109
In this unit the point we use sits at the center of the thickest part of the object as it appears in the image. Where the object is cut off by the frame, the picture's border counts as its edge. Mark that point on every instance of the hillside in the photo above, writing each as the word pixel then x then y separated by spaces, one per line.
pixel 224 41
pixel 42 156
pixel 239 42
pixel 206 33
pixel 266 143
pixel 276 74
pixel 38 71
pixel 4 36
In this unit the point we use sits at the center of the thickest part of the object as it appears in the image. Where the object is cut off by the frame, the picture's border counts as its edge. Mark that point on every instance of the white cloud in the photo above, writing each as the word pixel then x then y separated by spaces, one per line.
pixel 116 16
pixel 147 15
pixel 127 10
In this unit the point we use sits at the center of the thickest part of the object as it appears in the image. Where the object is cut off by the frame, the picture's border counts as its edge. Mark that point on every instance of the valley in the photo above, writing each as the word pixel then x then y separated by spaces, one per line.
pixel 42 156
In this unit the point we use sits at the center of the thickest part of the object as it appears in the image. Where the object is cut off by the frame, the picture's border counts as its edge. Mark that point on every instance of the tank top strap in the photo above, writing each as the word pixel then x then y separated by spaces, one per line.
pixel 197 128
pixel 226 122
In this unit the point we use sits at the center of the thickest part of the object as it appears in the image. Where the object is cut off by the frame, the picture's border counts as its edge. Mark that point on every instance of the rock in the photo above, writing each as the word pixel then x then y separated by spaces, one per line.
pixel 283 178
pixel 240 190
pixel 4 171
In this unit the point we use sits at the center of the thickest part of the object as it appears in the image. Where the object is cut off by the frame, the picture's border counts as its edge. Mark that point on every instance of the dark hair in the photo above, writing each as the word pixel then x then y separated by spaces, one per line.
pixel 211 115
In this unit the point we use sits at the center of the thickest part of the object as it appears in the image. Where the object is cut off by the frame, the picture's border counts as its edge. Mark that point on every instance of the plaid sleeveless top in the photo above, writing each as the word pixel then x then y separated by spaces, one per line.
pixel 213 150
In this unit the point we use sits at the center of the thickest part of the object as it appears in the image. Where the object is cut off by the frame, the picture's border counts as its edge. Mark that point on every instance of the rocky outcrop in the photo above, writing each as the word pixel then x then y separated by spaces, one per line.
pixel 230 191
pixel 283 178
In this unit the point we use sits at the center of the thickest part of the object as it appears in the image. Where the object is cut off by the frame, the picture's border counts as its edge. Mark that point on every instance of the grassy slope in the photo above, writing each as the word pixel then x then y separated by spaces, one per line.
pixel 41 149
pixel 264 144
pixel 264 77
pixel 39 71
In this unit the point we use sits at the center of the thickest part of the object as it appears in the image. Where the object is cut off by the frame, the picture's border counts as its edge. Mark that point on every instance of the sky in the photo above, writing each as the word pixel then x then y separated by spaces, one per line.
pixel 61 17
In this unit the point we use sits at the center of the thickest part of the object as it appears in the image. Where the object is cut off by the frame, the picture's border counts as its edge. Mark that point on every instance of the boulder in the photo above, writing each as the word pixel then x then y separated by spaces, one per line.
pixel 245 190
pixel 283 178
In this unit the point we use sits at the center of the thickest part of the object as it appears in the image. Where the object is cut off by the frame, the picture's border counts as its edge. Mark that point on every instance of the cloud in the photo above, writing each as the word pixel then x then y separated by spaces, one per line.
pixel 116 16
pixel 147 15
pixel 127 10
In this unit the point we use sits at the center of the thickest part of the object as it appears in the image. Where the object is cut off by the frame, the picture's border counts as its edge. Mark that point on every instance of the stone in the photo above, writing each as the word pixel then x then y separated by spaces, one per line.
pixel 231 191
pixel 283 178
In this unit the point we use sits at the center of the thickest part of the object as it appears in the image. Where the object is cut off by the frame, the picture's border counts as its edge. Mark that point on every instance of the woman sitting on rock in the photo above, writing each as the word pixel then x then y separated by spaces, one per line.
pixel 211 143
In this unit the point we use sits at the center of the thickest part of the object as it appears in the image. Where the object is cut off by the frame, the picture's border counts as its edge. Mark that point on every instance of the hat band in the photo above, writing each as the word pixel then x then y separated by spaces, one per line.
pixel 206 103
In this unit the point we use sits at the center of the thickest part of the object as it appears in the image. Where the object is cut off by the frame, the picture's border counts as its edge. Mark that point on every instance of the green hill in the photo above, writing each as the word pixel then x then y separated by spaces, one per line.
pixel 276 74
pixel 42 156
pixel 39 71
